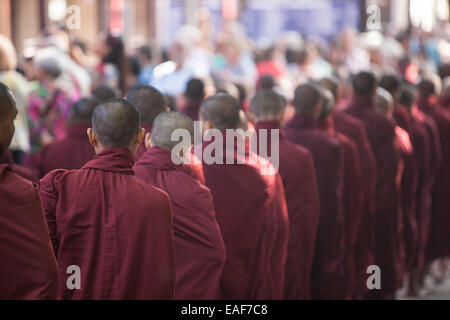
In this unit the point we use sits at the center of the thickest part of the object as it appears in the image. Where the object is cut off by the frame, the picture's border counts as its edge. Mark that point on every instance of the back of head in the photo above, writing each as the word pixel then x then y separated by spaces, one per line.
pixel 426 88
pixel 267 82
pixel 364 84
pixel 306 99
pixel 81 111
pixel 116 123
pixel 267 105
pixel 105 92
pixel 165 124
pixel 407 96
pixel 384 102
pixel 222 111
pixel 328 103
pixel 148 101
pixel 332 84
pixel 195 90
pixel 8 111
pixel 390 83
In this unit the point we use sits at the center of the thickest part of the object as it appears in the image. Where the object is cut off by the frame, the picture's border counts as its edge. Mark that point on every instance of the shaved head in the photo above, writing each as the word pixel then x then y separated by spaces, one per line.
pixel 116 123
pixel 222 111
pixel 267 105
pixel 384 102
pixel 332 84
pixel 81 111
pixel 307 98
pixel 165 124
pixel 8 112
pixel 328 103
pixel 148 101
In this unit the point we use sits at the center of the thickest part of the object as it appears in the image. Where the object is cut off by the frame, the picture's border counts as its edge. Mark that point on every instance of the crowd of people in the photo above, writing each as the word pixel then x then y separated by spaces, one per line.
pixel 93 206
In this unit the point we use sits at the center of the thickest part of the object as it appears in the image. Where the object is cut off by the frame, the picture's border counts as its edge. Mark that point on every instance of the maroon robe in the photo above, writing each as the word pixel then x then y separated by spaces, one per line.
pixel 70 152
pixel 252 214
pixel 364 253
pixel 388 213
pixel 439 236
pixel 199 248
pixel 353 195
pixel 27 264
pixel 296 168
pixel 114 226
pixel 23 171
pixel 328 275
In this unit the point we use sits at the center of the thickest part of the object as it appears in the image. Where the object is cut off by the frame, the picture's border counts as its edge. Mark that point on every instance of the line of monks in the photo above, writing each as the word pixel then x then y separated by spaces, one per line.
pixel 360 185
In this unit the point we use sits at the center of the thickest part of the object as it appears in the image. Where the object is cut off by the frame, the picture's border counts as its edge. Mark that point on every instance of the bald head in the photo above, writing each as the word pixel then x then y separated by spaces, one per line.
pixel 267 105
pixel 332 84
pixel 328 103
pixel 307 99
pixel 148 101
pixel 165 124
pixel 8 112
pixel 221 111
pixel 116 123
pixel 384 102
pixel 81 111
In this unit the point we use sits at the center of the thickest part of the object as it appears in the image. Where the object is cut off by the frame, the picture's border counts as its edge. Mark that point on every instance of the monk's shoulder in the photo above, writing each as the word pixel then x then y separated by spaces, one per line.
pixel 139 187
pixel 13 186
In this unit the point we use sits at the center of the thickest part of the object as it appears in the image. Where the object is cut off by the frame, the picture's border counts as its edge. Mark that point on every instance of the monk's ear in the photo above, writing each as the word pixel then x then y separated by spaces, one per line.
pixel 140 137
pixel 147 141
pixel 92 137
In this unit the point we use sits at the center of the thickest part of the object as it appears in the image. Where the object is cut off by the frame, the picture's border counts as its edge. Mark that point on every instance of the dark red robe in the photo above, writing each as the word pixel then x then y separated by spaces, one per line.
pixel 439 236
pixel 353 195
pixel 388 213
pixel 27 263
pixel 364 253
pixel 252 214
pixel 328 275
pixel 115 227
pixel 296 168
pixel 199 248
pixel 21 170
pixel 70 152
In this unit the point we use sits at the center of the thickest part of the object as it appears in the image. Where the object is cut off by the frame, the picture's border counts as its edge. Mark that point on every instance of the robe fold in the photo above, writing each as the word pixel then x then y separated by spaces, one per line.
pixel 115 227
pixel 364 253
pixel 302 198
pixel 439 236
pixel 329 267
pixel 388 212
pixel 199 248
pixel 27 263
pixel 252 214
pixel 71 152
pixel 353 195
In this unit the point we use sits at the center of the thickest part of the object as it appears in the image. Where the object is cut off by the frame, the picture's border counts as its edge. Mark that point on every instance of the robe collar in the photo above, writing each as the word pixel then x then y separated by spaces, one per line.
pixel 362 102
pixel 326 124
pixel 269 125
pixel 113 159
pixel 158 158
pixel 302 121
pixel 78 130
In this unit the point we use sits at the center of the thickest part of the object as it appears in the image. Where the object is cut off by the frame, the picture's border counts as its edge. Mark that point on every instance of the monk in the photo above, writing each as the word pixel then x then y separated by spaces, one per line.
pixel 439 235
pixel 112 232
pixel 382 138
pixel 328 274
pixel 352 128
pixel 249 203
pixel 297 171
pixel 194 95
pixel 427 155
pixel 384 104
pixel 150 103
pixel 27 263
pixel 199 248
pixel 353 193
pixel 74 150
